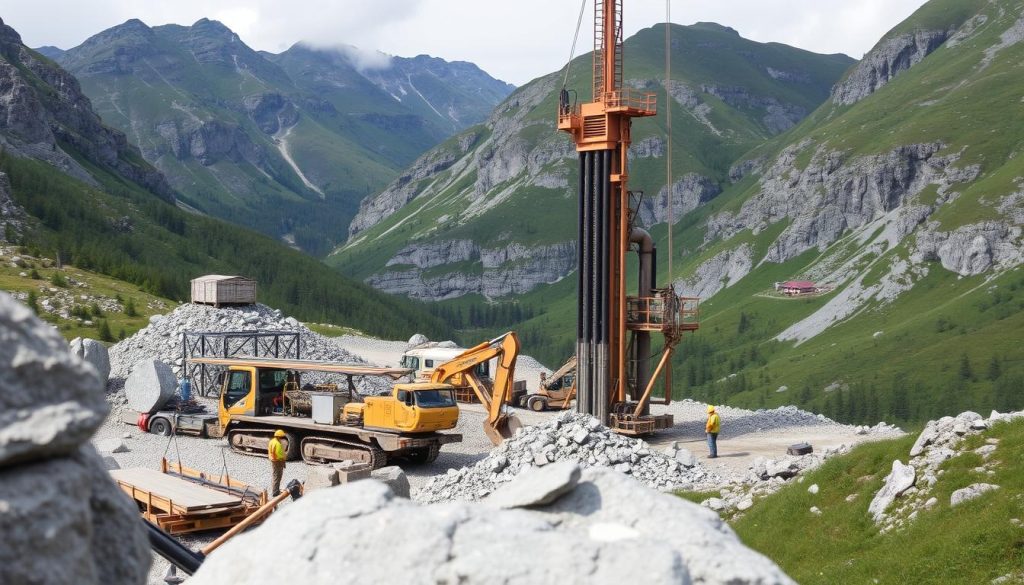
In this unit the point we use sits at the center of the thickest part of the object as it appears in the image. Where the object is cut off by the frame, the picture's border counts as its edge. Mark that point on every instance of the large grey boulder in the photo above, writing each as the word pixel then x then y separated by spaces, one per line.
pixel 599 528
pixel 970 492
pixel 393 477
pixel 49 401
pixel 150 385
pixel 62 519
pixel 95 353
pixel 538 486
pixel 899 480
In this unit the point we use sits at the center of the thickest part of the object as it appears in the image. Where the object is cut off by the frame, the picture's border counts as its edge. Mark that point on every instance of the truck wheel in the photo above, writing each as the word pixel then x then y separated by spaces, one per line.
pixel 537 404
pixel 160 426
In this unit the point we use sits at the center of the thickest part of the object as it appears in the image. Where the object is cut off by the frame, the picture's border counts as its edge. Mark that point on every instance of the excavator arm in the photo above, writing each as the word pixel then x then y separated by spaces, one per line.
pixel 500 424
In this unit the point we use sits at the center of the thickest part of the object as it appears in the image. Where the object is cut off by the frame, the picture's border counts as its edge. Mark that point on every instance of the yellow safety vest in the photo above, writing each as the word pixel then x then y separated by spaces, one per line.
pixel 275 450
pixel 713 423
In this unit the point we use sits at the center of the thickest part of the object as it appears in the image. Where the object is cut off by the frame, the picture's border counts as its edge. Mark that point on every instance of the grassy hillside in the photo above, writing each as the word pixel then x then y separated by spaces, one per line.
pixel 975 542
pixel 945 340
pixel 159 248
pixel 726 89
pixel 286 145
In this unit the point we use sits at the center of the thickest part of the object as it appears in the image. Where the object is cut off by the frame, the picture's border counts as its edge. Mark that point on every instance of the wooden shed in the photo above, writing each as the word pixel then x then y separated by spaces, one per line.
pixel 218 290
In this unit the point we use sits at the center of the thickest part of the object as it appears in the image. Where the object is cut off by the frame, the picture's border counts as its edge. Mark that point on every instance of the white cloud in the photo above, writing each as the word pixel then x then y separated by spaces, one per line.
pixel 515 41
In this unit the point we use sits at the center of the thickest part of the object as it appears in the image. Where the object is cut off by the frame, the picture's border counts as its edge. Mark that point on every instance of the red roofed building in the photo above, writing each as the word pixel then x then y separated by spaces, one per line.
pixel 797 287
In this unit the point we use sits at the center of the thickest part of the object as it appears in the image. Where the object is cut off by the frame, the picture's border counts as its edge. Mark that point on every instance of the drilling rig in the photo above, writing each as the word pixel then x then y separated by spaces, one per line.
pixel 613 331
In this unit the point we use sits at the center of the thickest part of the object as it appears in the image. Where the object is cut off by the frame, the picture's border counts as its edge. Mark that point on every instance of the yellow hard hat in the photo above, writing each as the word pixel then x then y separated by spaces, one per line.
pixel 711 408
pixel 279 434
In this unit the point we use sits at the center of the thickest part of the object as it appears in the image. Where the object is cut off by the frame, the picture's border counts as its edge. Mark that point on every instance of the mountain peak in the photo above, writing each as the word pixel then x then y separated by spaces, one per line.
pixel 212 26
pixel 714 26
pixel 8 36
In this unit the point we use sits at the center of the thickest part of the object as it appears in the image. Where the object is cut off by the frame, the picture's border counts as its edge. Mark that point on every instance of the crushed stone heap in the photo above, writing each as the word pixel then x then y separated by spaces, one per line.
pixel 738 421
pixel 575 437
pixel 161 340
pixel 554 525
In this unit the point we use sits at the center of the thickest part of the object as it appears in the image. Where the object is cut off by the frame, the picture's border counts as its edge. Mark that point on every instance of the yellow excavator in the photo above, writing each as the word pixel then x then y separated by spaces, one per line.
pixel 556 392
pixel 500 423
pixel 325 423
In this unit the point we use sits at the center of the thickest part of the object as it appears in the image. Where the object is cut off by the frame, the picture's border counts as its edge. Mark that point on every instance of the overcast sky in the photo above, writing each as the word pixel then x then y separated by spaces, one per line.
pixel 513 40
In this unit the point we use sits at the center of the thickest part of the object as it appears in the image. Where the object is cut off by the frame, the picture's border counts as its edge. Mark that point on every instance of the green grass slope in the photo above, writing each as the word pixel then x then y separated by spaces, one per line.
pixel 500 190
pixel 160 248
pixel 975 542
pixel 246 136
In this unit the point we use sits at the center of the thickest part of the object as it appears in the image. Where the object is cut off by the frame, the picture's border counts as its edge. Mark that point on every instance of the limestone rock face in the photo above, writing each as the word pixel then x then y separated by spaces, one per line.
pixel 605 521
pixel 49 401
pixel 503 271
pixel 889 59
pixel 62 519
pixel 40 124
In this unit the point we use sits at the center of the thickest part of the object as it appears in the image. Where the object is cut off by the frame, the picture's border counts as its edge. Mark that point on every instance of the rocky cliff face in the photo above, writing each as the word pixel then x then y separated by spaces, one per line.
pixel 12 217
pixel 374 209
pixel 512 179
pixel 43 114
pixel 834 194
pixel 492 272
pixel 892 57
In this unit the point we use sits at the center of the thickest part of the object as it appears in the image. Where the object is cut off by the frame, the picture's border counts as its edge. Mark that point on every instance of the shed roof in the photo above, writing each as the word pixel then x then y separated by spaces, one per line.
pixel 220 277
pixel 798 284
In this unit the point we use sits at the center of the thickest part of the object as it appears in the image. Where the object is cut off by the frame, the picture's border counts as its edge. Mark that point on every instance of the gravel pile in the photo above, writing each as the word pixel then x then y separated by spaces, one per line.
pixel 569 437
pixel 739 421
pixel 161 340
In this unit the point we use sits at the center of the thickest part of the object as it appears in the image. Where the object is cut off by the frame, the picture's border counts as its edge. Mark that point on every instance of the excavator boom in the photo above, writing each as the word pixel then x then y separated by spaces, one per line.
pixel 500 424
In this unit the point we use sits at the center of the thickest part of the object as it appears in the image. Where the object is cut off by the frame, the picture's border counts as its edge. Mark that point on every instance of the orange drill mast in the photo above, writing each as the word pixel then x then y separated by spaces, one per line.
pixel 614 382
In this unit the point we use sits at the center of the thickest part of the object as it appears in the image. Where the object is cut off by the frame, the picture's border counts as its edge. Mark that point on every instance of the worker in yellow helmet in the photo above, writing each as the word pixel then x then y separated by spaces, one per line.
pixel 276 454
pixel 712 427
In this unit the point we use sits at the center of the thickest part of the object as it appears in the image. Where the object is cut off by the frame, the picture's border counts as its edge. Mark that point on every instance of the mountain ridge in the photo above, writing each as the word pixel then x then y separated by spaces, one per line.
pixel 247 136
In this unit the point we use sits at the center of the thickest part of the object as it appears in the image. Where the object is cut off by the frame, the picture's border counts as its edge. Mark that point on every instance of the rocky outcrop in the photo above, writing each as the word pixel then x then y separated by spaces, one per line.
pixel 271 111
pixel 899 480
pixel 778 116
pixel 721 271
pixel 688 193
pixel 503 271
pixel 833 194
pixel 12 216
pixel 209 142
pixel 43 118
pixel 598 522
pixel 409 185
pixel 62 519
pixel 972 249
pixel 887 60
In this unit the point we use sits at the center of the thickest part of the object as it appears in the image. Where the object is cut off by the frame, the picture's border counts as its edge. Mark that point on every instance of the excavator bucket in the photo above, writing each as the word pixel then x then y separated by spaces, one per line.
pixel 504 428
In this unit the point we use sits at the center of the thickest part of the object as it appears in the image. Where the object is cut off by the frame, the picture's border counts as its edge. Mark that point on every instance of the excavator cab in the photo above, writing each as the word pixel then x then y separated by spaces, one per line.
pixel 411 408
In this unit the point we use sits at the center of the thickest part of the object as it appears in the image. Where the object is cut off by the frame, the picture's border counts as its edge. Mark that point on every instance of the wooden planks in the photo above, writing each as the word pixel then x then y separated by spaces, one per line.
pixel 185 495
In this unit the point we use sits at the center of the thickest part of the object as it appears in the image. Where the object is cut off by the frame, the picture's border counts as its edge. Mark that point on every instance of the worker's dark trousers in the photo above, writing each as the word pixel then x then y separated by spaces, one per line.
pixel 713 444
pixel 278 467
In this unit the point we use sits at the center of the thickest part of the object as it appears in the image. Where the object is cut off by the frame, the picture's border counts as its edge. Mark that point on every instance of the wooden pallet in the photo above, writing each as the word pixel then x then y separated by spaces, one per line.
pixel 176 501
